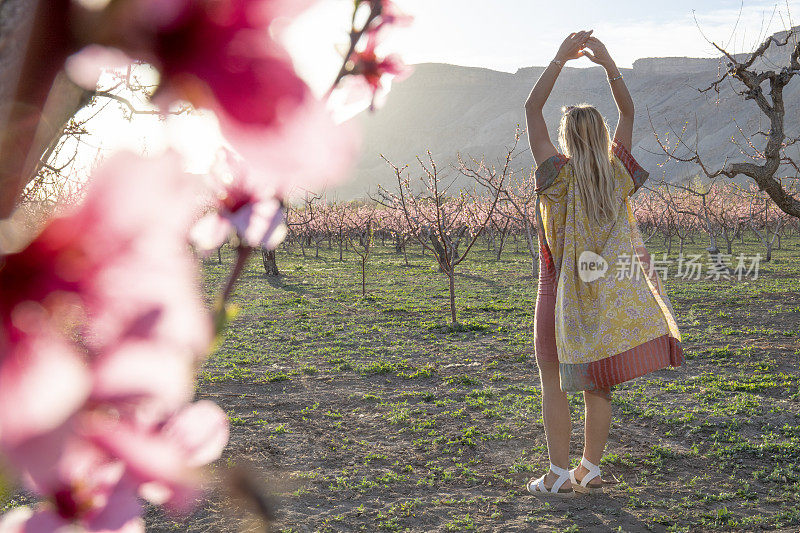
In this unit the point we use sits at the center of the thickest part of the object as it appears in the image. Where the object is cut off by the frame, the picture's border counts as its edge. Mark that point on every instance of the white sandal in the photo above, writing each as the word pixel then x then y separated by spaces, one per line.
pixel 537 488
pixel 583 486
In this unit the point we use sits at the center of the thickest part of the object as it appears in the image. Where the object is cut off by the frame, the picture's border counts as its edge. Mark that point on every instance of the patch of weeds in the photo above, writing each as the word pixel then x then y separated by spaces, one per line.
pixel 625 460
pixel 424 371
pixel 382 367
pixel 462 380
pixel 461 523
pixel 340 364
pixel 271 376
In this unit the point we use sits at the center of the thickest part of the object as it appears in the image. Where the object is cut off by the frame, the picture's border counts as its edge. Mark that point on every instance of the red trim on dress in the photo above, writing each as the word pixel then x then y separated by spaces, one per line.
pixel 619 150
pixel 637 173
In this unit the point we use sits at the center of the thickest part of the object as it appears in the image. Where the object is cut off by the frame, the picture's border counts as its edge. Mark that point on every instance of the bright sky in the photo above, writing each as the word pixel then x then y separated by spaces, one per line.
pixel 509 34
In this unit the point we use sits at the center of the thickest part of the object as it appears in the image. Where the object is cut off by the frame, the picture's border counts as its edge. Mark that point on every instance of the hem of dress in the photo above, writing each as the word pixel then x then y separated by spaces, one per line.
pixel 661 352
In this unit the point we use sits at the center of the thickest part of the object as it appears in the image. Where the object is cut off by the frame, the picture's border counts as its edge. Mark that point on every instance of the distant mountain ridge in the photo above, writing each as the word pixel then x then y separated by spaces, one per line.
pixel 473 110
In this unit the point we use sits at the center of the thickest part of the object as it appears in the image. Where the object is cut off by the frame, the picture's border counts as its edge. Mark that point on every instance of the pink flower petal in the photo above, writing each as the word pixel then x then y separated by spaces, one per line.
pixel 266 225
pixel 147 371
pixel 241 218
pixel 210 232
pixel 121 512
pixel 85 67
pixel 308 150
pixel 42 383
pixel 202 430
pixel 26 520
pixel 148 455
pixel 146 207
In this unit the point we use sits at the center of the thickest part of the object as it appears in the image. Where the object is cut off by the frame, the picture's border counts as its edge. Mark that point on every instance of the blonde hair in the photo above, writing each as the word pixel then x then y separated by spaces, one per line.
pixel 584 138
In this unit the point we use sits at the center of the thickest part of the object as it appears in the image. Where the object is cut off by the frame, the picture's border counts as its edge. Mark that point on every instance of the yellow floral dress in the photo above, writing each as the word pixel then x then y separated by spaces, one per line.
pixel 611 325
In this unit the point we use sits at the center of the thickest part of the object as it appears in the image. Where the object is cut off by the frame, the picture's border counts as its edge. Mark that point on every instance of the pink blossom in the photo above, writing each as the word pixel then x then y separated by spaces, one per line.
pixel 86 488
pixel 390 15
pixel 306 151
pixel 372 70
pixel 226 57
pixel 102 329
pixel 43 381
pixel 217 55
pixel 164 456
pixel 107 462
pixel 118 274
pixel 242 205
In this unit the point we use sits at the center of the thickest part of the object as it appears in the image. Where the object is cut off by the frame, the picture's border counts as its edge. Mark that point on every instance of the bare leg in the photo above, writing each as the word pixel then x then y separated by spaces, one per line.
pixel 557 422
pixel 597 423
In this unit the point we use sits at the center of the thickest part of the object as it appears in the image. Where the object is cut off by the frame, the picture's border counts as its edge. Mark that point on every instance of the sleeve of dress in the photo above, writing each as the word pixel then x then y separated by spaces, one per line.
pixel 550 187
pixel 637 174
pixel 546 178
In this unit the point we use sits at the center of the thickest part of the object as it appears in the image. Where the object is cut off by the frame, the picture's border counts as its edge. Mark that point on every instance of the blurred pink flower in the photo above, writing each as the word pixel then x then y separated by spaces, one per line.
pixel 390 15
pixel 218 55
pixel 369 69
pixel 107 462
pixel 243 205
pixel 43 380
pixel 306 151
pixel 87 489
pixel 226 57
pixel 102 329
pixel 116 274
pixel 164 456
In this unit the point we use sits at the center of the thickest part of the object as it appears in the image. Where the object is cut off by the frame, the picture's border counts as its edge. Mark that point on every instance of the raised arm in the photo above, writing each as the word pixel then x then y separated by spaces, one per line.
pixel 541 145
pixel 598 54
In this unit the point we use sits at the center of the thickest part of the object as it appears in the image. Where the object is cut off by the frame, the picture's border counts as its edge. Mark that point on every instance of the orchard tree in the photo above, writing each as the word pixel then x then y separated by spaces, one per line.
pixel 361 221
pixel 771 164
pixel 443 223
pixel 517 199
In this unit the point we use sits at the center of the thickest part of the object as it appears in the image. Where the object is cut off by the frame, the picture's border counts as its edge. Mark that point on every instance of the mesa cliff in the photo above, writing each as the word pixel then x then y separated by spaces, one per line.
pixel 450 109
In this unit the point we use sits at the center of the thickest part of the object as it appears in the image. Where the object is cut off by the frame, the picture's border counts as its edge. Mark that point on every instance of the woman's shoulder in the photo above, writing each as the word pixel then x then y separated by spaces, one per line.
pixel 548 170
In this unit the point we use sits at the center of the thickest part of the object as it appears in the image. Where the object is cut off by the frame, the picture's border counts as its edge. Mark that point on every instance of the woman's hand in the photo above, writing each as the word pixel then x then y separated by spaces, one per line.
pixel 599 54
pixel 572 45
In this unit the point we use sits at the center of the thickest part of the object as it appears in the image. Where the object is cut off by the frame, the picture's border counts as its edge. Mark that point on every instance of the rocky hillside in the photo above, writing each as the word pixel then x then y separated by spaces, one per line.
pixel 449 109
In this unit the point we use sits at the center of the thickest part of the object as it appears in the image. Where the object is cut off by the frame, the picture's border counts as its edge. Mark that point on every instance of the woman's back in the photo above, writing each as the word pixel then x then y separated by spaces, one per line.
pixel 606 302
pixel 557 187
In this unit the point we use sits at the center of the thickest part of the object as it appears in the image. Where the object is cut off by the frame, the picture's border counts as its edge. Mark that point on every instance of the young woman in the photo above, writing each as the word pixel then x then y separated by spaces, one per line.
pixel 593 327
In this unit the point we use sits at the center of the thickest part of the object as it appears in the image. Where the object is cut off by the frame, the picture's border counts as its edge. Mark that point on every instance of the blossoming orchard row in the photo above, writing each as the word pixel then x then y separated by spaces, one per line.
pixel 673 216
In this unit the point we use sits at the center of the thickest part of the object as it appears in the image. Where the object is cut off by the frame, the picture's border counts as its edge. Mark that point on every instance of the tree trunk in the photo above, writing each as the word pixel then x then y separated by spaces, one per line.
pixel 34 42
pixel 450 276
pixel 364 276
pixel 532 249
pixel 270 265
pixel 503 235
